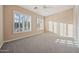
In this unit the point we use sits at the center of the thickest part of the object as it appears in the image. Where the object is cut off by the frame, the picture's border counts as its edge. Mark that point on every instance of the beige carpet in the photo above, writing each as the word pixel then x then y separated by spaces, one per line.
pixel 42 43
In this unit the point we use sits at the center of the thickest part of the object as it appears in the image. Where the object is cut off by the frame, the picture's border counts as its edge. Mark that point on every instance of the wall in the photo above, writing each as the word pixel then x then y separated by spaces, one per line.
pixel 64 17
pixel 76 23
pixel 1 25
pixel 8 21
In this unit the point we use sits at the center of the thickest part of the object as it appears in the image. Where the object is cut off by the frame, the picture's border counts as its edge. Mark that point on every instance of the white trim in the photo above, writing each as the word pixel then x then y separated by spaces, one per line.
pixel 22 37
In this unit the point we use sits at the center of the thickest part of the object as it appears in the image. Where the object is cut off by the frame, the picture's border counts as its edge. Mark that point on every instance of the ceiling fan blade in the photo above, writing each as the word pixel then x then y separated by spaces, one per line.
pixel 48 6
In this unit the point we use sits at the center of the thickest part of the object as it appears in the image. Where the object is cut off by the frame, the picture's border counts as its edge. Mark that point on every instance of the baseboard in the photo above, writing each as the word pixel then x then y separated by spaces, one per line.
pixel 23 37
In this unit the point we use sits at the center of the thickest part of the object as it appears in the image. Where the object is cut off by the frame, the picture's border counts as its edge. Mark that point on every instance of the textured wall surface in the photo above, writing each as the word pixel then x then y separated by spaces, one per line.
pixel 8 17
pixel 1 25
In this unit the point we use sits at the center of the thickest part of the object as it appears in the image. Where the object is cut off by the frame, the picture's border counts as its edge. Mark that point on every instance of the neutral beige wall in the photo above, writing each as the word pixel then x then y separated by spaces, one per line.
pixel 1 25
pixel 64 17
pixel 8 21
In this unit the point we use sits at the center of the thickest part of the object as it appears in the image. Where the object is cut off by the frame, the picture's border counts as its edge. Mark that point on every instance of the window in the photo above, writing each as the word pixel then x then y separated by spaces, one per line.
pixel 50 26
pixel 61 29
pixel 40 23
pixel 16 22
pixel 22 23
pixel 70 30
pixel 65 31
pixel 55 27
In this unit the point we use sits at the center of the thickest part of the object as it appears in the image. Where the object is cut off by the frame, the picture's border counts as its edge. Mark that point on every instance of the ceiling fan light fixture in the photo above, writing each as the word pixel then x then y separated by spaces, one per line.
pixel 35 7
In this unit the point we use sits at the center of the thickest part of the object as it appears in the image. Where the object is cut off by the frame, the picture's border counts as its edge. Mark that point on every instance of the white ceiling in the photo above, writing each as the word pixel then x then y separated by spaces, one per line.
pixel 52 9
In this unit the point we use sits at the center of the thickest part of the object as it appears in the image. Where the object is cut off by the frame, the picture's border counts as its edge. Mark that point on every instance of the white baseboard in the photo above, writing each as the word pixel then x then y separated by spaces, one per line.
pixel 22 37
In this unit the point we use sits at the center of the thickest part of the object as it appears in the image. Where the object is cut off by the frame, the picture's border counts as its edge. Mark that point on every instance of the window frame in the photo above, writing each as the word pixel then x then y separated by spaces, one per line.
pixel 40 21
pixel 30 17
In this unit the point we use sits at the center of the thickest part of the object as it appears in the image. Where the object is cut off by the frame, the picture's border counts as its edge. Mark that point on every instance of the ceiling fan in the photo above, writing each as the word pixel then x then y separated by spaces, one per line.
pixel 43 7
